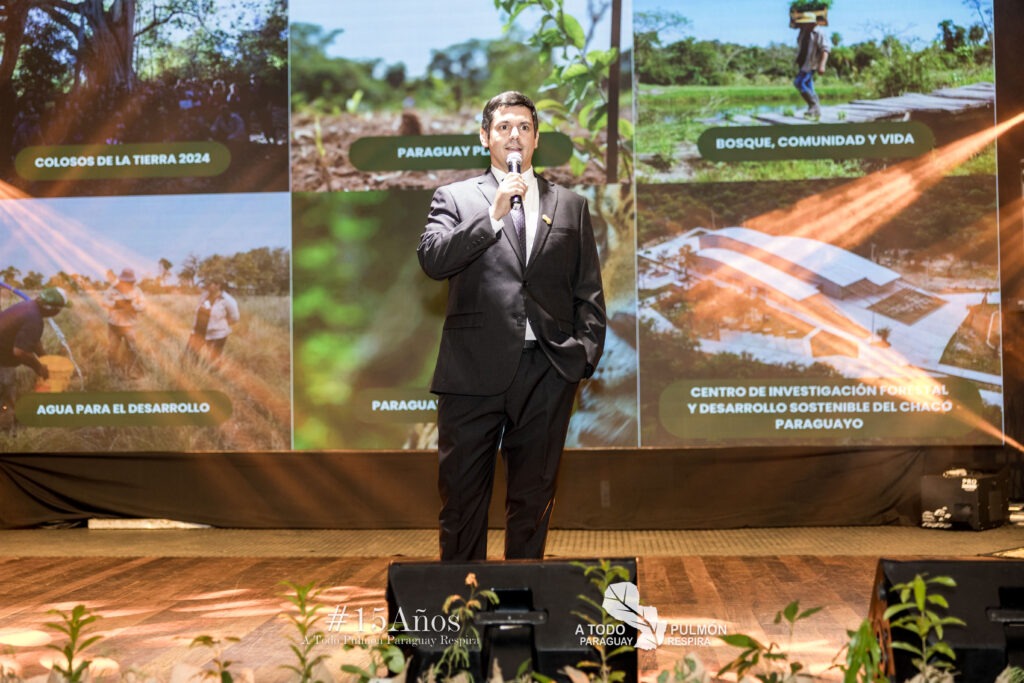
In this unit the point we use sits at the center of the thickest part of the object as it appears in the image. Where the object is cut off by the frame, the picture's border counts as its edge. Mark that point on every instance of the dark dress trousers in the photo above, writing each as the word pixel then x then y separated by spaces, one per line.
pixel 492 390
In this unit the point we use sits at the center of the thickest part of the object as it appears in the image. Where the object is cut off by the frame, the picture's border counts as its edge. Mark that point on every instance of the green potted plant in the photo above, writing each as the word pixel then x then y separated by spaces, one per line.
pixel 768 663
pixel 305 619
pixel 819 8
pixel 75 668
pixel 221 671
pixel 918 614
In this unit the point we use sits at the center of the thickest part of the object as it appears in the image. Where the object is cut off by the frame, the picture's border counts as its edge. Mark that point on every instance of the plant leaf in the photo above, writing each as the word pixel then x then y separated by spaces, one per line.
pixel 945 649
pixel 741 640
pixel 575 675
pixel 789 612
pixel 573 30
pixel 900 645
pixel 809 612
pixel 574 70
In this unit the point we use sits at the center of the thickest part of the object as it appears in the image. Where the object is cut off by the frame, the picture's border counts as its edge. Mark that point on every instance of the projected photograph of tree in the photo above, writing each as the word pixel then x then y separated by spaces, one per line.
pixel 135 96
pixel 151 282
pixel 923 68
pixel 368 322
pixel 371 73
pixel 867 318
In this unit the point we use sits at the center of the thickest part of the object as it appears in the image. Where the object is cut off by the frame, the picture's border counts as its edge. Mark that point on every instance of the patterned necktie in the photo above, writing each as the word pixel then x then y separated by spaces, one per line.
pixel 519 221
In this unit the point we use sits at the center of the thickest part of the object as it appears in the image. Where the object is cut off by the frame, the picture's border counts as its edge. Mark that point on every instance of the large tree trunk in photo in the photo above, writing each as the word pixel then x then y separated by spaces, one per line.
pixel 614 76
pixel 110 46
pixel 14 21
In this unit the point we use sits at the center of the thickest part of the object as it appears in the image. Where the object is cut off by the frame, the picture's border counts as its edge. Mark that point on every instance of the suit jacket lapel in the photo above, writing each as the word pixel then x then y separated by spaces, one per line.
pixel 488 185
pixel 548 203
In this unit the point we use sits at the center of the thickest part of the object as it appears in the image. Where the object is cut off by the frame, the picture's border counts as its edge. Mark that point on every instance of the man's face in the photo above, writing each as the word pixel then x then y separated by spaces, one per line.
pixel 511 130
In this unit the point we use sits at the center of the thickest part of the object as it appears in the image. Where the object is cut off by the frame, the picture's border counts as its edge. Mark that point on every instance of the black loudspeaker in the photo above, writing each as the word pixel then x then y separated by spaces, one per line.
pixel 989 597
pixel 537 618
pixel 967 500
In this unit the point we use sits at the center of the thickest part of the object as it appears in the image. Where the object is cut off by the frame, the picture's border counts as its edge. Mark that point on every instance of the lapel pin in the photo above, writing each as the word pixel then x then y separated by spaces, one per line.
pixel 546 219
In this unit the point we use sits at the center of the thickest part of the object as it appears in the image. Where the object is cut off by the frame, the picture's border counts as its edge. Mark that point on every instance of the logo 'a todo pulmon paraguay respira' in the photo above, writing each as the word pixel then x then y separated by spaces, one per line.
pixel 622 601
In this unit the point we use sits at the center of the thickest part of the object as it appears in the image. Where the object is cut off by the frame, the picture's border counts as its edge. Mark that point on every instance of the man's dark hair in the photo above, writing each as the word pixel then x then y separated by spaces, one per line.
pixel 511 98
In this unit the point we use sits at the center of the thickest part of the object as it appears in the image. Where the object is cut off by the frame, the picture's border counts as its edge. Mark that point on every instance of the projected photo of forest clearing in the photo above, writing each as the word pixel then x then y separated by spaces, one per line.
pixel 923 63
pixel 148 85
pixel 173 259
pixel 369 72
pixel 757 289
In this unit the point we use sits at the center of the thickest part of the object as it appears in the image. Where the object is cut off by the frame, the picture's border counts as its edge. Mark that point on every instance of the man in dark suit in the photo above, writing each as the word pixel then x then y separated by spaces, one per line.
pixel 525 322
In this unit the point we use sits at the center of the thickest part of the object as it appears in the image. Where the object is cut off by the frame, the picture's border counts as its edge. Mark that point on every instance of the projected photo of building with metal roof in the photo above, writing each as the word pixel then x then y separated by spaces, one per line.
pixel 783 299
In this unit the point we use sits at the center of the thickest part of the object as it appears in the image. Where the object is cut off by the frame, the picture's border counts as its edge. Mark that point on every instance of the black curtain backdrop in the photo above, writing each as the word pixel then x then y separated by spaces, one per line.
pixel 621 489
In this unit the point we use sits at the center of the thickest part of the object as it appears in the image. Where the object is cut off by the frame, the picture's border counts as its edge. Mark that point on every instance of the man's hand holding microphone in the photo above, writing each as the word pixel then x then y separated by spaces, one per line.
pixel 511 189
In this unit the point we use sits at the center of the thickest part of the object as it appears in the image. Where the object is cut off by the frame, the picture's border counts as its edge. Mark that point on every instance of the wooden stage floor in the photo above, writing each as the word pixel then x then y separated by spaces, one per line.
pixel 228 585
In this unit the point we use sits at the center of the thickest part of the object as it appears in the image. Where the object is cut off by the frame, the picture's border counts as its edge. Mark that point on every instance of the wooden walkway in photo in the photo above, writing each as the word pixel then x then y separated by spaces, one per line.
pixel 908 107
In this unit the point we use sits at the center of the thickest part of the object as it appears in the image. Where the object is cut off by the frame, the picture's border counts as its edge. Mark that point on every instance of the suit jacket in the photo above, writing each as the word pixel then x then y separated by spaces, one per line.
pixel 492 289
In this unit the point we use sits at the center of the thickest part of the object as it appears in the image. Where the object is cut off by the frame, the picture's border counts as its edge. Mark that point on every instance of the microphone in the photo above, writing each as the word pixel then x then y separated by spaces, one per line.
pixel 515 165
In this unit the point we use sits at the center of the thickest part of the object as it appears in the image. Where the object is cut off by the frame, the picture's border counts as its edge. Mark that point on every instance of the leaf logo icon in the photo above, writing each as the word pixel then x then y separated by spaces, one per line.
pixel 622 601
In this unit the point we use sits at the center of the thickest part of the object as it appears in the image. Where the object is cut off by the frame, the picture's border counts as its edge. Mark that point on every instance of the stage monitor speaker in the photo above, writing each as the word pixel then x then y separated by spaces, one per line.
pixel 536 620
pixel 988 597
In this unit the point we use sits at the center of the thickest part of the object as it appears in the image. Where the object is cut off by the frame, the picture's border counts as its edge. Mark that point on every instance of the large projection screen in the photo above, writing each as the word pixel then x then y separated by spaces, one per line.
pixel 773 277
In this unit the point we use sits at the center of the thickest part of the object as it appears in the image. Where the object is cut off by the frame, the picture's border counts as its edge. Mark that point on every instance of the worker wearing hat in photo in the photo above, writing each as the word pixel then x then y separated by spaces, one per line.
pixel 811 58
pixel 216 314
pixel 124 302
pixel 21 329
